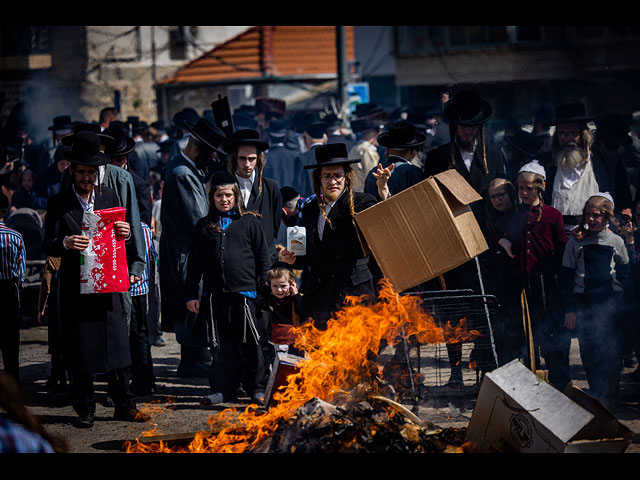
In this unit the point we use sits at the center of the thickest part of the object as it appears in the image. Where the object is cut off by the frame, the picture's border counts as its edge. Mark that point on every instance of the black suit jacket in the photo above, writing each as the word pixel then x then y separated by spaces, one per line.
pixel 143 195
pixel 268 203
pixel 93 326
pixel 335 265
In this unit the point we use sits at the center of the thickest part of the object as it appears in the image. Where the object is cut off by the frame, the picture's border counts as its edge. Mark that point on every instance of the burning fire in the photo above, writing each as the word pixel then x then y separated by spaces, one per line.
pixel 338 359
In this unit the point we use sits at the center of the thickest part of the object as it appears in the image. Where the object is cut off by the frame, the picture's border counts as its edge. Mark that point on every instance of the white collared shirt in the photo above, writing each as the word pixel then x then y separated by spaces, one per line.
pixel 467 156
pixel 246 184
pixel 321 218
pixel 86 206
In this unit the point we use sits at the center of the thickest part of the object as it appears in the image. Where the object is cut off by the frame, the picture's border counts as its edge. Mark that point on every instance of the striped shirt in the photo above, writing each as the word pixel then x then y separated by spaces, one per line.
pixel 141 287
pixel 13 255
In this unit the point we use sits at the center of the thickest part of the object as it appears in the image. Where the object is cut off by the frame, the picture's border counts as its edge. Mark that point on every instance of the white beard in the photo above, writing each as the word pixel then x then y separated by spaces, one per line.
pixel 570 160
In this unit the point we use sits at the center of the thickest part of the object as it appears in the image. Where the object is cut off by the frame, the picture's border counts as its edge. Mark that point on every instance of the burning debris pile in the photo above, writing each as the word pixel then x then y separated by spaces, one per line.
pixel 339 373
pixel 364 424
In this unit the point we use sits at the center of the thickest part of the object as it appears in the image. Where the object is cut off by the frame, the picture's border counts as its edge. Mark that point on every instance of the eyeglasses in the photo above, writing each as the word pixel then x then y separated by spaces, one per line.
pixel 85 173
pixel 568 134
pixel 327 177
pixel 497 196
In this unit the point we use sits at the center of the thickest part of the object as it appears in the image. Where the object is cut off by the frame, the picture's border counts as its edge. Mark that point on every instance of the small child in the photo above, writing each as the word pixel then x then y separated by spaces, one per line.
pixel 593 295
pixel 535 241
pixel 282 301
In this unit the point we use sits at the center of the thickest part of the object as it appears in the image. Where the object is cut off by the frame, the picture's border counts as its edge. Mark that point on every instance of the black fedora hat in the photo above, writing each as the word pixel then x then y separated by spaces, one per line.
pixel 62 122
pixel 330 155
pixel 570 113
pixel 317 129
pixel 166 146
pixel 208 133
pixel 245 136
pixel 106 140
pixel 85 150
pixel 527 143
pixel 615 127
pixel 360 125
pixel 277 128
pixel 401 135
pixel 467 108
pixel 122 144
pixel 366 109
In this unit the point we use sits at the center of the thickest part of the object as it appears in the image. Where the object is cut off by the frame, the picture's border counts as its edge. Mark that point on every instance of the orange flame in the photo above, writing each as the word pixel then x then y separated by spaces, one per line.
pixel 338 359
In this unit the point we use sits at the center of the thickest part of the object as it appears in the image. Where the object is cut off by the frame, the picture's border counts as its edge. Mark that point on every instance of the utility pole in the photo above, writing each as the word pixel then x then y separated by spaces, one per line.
pixel 341 45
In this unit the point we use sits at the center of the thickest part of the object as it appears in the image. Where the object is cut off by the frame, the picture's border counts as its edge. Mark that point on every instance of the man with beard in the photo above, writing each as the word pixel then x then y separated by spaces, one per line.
pixel 573 173
pixel 184 202
pixel 93 326
pixel 336 264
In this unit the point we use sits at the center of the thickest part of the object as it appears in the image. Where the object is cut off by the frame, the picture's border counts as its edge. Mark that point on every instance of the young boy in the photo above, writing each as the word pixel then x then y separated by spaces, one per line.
pixel 535 241
pixel 282 300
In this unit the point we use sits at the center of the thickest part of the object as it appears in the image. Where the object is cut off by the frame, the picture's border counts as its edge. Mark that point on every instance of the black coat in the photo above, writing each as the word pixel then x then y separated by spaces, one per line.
pixel 143 195
pixel 268 203
pixel 284 168
pixel 438 161
pixel 94 326
pixel 336 265
pixel 307 158
pixel 234 260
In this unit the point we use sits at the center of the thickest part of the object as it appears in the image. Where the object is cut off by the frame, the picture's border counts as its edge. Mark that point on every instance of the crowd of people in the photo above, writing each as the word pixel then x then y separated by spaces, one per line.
pixel 207 212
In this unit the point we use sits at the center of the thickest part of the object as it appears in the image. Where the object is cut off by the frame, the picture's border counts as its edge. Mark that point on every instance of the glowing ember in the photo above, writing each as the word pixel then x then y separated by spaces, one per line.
pixel 338 359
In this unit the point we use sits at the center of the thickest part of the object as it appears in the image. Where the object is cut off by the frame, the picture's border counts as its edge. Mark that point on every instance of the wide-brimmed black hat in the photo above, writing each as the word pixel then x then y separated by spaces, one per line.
pixel 106 140
pixel 62 122
pixel 222 177
pixel 207 133
pixel 527 143
pixel 61 153
pixel 277 128
pixel 615 127
pixel 85 150
pixel 570 113
pixel 366 109
pixel 166 146
pixel 187 114
pixel 122 144
pixel 330 155
pixel 401 135
pixel 467 108
pixel 360 125
pixel 245 136
pixel 316 129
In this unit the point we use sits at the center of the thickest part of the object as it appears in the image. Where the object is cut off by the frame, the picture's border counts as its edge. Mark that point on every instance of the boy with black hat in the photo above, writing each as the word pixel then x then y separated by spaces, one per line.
pixel 94 326
pixel 336 264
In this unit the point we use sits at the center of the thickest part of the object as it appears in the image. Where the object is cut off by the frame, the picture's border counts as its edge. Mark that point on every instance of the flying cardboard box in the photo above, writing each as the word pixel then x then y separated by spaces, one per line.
pixel 517 412
pixel 423 231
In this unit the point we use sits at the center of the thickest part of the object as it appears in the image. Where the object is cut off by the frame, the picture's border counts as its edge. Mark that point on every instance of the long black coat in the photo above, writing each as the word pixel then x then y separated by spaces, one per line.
pixel 94 326
pixel 336 265
pixel 286 170
pixel 268 203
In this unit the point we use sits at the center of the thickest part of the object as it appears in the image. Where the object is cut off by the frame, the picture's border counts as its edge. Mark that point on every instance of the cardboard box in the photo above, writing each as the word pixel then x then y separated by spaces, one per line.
pixel 283 365
pixel 423 231
pixel 517 412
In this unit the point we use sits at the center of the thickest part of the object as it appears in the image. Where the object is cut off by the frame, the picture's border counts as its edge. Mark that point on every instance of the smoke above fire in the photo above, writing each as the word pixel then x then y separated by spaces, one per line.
pixel 337 360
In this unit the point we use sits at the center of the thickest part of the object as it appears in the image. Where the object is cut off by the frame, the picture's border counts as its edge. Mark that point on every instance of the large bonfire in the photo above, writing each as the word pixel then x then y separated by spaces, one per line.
pixel 338 361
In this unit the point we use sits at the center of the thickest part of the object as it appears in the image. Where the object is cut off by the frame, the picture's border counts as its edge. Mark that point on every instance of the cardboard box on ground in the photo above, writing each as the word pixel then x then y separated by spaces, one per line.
pixel 516 411
pixel 423 231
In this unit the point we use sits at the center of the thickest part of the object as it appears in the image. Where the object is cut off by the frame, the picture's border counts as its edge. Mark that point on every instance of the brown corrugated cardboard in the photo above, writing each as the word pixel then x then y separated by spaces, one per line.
pixel 423 231
pixel 516 411
pixel 284 364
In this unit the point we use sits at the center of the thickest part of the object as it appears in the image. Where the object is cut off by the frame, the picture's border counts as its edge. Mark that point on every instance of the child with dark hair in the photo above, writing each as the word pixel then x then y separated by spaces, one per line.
pixel 282 301
pixel 535 241
pixel 593 295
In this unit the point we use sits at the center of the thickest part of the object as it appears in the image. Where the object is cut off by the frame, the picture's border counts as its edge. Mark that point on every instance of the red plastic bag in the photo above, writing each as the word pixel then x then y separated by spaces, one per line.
pixel 103 264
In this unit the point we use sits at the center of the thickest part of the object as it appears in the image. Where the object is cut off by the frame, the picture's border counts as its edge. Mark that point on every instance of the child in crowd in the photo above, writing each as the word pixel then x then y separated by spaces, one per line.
pixel 143 381
pixel 24 196
pixel 500 203
pixel 282 300
pixel 535 240
pixel 593 295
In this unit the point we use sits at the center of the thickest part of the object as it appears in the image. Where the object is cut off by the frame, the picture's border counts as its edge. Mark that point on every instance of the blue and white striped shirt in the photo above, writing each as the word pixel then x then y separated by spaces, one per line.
pixel 141 287
pixel 13 255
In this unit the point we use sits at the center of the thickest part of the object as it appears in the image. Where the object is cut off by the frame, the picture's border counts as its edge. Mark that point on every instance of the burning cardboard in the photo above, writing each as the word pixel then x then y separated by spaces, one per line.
pixel 516 411
pixel 423 231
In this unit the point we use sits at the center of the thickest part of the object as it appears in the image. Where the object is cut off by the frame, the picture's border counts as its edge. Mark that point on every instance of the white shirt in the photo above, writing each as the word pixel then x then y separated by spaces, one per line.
pixel 467 156
pixel 86 206
pixel 321 218
pixel 246 184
